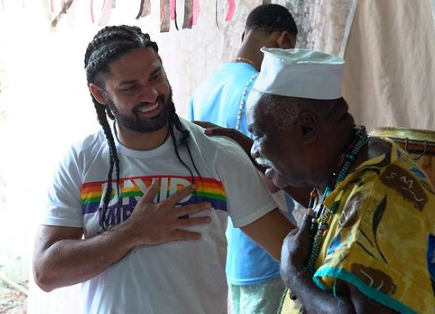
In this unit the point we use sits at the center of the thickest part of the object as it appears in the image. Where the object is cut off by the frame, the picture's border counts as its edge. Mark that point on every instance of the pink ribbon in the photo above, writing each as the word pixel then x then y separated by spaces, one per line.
pixel 231 9
pixel 92 11
pixel 105 13
pixel 173 8
pixel 195 12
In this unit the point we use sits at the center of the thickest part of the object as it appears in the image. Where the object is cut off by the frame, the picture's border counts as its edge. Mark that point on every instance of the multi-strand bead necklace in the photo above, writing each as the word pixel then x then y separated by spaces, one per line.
pixel 320 224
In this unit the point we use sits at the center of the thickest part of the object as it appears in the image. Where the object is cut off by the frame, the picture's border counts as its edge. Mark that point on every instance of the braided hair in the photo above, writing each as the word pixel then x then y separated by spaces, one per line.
pixel 108 45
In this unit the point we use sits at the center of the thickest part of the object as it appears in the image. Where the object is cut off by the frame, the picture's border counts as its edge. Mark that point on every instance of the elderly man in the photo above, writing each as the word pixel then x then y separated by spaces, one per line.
pixel 366 244
pixel 367 239
pixel 137 212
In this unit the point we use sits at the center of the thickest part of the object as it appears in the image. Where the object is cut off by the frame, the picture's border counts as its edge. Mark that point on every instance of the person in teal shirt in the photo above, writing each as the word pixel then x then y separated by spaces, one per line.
pixel 253 275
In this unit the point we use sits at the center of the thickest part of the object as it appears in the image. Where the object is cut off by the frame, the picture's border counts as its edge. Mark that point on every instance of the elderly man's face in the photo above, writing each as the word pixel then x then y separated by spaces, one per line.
pixel 276 149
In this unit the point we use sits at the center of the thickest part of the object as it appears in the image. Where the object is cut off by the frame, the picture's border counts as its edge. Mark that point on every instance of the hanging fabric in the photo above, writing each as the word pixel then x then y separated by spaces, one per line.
pixel 144 9
pixel 92 11
pixel 174 12
pixel 188 12
pixel 105 12
pixel 196 10
pixel 433 10
pixel 191 13
pixel 165 16
pixel 63 11
pixel 348 27
pixel 231 9
pixel 51 6
pixel 326 24
pixel 216 14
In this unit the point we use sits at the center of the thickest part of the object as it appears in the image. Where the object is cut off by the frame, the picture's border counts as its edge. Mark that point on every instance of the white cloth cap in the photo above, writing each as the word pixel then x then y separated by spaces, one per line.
pixel 300 73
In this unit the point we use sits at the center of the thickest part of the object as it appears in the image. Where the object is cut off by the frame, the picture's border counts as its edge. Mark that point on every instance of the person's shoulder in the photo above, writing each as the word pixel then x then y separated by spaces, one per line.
pixel 90 145
pixel 239 71
pixel 91 140
pixel 198 135
pixel 228 74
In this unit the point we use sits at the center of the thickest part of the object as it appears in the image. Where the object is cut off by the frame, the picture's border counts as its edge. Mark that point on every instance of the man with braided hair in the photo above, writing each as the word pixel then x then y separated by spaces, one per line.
pixel 137 212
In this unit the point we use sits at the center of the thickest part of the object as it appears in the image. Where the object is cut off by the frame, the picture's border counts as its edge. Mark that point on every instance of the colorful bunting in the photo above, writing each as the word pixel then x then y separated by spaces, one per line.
pixel 145 9
pixel 165 16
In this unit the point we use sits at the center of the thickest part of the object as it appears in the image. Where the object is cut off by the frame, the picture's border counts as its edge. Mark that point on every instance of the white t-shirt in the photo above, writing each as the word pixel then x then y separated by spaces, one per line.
pixel 175 277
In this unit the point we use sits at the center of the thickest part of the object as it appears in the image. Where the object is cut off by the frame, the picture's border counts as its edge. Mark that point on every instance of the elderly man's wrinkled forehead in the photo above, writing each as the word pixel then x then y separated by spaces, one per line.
pixel 282 111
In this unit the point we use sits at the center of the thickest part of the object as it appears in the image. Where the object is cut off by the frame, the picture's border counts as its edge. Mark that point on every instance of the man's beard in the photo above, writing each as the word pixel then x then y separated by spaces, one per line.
pixel 137 124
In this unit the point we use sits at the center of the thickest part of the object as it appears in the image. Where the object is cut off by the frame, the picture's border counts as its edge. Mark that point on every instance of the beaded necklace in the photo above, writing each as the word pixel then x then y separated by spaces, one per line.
pixel 320 224
pixel 243 101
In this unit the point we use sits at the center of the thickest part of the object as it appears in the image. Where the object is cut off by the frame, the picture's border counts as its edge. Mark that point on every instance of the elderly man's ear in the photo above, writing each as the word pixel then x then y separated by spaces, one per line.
pixel 308 126
pixel 286 40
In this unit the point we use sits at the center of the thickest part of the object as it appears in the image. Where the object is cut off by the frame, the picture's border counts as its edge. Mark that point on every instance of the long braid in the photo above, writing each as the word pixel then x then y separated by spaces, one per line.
pixel 114 161
pixel 184 139
pixel 174 121
pixel 108 45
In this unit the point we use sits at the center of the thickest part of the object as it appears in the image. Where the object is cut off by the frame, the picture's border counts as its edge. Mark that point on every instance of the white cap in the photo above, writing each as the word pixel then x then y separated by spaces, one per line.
pixel 300 73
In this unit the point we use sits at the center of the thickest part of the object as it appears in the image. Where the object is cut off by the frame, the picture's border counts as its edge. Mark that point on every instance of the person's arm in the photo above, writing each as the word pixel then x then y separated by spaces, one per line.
pixel 62 257
pixel 269 231
pixel 294 256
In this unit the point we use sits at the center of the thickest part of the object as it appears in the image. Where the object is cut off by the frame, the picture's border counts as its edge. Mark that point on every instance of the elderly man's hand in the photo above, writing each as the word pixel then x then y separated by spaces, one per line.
pixel 296 250
pixel 214 130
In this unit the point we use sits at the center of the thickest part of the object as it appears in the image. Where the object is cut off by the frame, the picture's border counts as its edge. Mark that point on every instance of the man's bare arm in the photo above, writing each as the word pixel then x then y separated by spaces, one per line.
pixel 269 231
pixel 63 258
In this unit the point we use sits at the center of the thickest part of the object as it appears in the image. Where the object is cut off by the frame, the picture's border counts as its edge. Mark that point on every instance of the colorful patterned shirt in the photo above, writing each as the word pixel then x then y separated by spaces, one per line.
pixel 381 239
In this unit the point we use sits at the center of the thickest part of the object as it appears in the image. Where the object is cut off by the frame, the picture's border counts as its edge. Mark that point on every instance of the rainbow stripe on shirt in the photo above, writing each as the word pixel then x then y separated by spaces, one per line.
pixel 133 188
